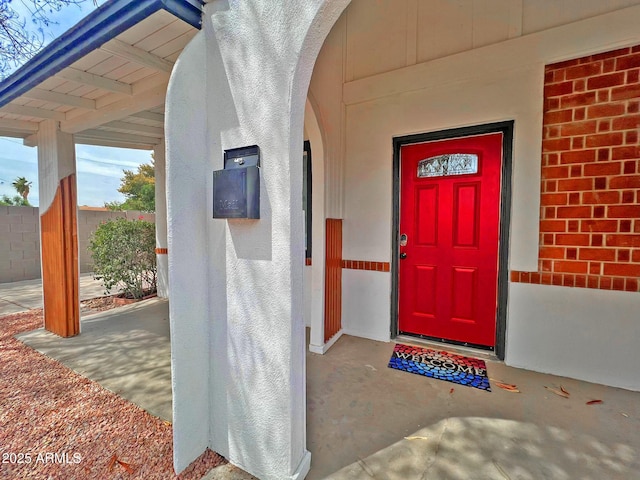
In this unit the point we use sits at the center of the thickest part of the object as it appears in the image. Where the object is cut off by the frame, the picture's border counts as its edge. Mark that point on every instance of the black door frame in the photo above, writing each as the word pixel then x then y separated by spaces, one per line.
pixel 506 128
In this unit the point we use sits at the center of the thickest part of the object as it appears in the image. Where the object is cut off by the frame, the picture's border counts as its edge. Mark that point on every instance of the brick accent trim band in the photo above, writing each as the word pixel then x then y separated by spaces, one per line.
pixel 366 265
pixel 627 284
pixel 162 251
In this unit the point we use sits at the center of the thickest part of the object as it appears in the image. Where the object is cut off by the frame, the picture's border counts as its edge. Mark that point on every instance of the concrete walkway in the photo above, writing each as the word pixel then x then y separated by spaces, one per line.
pixel 366 421
pixel 20 296
pixel 126 350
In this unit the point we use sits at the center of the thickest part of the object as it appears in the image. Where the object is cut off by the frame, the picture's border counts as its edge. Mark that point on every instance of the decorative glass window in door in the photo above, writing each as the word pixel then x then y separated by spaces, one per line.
pixel 448 164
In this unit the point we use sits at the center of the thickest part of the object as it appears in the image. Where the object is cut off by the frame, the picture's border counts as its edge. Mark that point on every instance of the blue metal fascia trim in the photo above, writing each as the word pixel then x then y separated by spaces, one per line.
pixel 188 10
pixel 97 28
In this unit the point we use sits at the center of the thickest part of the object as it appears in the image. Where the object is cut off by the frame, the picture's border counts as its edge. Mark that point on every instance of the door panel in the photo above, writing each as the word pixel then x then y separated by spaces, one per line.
pixel 463 294
pixel 427 208
pixel 425 303
pixel 465 219
pixel 450 213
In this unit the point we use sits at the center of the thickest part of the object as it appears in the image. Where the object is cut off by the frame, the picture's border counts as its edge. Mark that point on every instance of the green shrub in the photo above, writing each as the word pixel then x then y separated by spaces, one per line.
pixel 124 256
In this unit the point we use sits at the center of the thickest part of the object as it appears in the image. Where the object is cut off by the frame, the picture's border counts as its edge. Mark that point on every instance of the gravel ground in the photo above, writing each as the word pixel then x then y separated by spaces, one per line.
pixel 99 304
pixel 58 425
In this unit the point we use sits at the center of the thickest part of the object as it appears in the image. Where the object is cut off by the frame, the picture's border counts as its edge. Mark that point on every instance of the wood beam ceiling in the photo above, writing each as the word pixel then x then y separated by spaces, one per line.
pixel 118 110
pixel 151 116
pixel 32 112
pixel 135 128
pixel 17 126
pixel 60 98
pixel 137 55
pixel 96 81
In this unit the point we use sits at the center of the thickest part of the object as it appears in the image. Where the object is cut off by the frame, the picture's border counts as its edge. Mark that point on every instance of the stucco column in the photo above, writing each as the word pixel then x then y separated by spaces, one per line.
pixel 161 219
pixel 316 340
pixel 236 306
pixel 58 229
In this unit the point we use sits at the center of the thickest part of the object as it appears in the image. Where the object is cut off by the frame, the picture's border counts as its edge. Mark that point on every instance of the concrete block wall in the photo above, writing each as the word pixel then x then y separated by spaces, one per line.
pixel 20 239
pixel 19 243
pixel 89 220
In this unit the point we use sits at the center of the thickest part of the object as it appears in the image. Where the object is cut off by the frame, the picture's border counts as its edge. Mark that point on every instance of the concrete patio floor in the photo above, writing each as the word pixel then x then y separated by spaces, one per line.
pixel 368 421
pixel 20 296
pixel 365 420
pixel 126 350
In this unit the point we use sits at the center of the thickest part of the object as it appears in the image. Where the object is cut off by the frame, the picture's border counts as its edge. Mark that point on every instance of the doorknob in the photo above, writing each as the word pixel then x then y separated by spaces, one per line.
pixel 403 256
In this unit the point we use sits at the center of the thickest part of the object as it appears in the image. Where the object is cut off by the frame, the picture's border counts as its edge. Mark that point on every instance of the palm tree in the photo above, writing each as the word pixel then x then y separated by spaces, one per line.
pixel 22 186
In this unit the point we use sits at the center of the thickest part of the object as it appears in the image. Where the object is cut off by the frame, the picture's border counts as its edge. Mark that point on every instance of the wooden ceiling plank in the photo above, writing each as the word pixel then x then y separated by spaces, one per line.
pixel 33 112
pixel 136 88
pixel 136 128
pixel 117 110
pixel 147 27
pixel 52 83
pixel 18 126
pixel 137 55
pixel 111 63
pixel 89 61
pixel 96 81
pixel 174 46
pixel 103 142
pixel 163 36
pixel 154 117
pixel 117 136
pixel 85 91
pixel 60 98
pixel 13 134
pixel 139 75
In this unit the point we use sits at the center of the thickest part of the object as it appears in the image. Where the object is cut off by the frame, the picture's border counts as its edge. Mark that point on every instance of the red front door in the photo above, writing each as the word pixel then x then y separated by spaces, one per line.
pixel 449 227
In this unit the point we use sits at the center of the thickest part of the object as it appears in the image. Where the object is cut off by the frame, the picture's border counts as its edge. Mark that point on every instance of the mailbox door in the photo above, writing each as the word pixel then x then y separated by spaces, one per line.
pixel 230 193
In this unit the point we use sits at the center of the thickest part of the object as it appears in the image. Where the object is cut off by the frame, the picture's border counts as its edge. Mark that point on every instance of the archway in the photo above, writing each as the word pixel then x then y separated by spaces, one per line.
pixel 236 304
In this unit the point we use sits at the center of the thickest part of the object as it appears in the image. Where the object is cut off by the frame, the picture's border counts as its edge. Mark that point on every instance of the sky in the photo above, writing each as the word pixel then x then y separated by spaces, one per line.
pixel 99 169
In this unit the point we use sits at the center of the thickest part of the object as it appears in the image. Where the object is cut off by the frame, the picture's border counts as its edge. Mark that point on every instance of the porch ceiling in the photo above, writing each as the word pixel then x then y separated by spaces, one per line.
pixel 105 79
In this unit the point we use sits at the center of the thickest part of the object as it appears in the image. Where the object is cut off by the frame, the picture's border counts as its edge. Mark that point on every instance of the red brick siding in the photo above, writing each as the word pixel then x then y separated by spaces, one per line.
pixel 590 192
pixel 366 265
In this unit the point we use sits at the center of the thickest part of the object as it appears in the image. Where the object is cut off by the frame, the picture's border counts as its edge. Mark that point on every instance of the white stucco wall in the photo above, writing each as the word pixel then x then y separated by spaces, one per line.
pixel 588 334
pixel 500 80
pixel 365 304
pixel 236 302
pixel 188 242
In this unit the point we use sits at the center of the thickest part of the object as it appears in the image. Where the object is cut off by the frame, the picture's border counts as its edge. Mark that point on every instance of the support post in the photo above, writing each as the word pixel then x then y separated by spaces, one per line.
pixel 161 220
pixel 58 229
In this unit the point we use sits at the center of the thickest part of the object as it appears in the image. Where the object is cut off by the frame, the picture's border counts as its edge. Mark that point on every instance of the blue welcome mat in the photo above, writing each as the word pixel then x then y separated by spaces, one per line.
pixel 471 372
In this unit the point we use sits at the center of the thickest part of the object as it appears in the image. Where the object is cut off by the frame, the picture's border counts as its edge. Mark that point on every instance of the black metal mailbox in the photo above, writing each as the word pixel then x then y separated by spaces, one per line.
pixel 236 189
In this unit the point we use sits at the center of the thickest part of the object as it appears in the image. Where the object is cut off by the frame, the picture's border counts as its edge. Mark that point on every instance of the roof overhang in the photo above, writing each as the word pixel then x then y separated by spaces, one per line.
pixel 106 77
